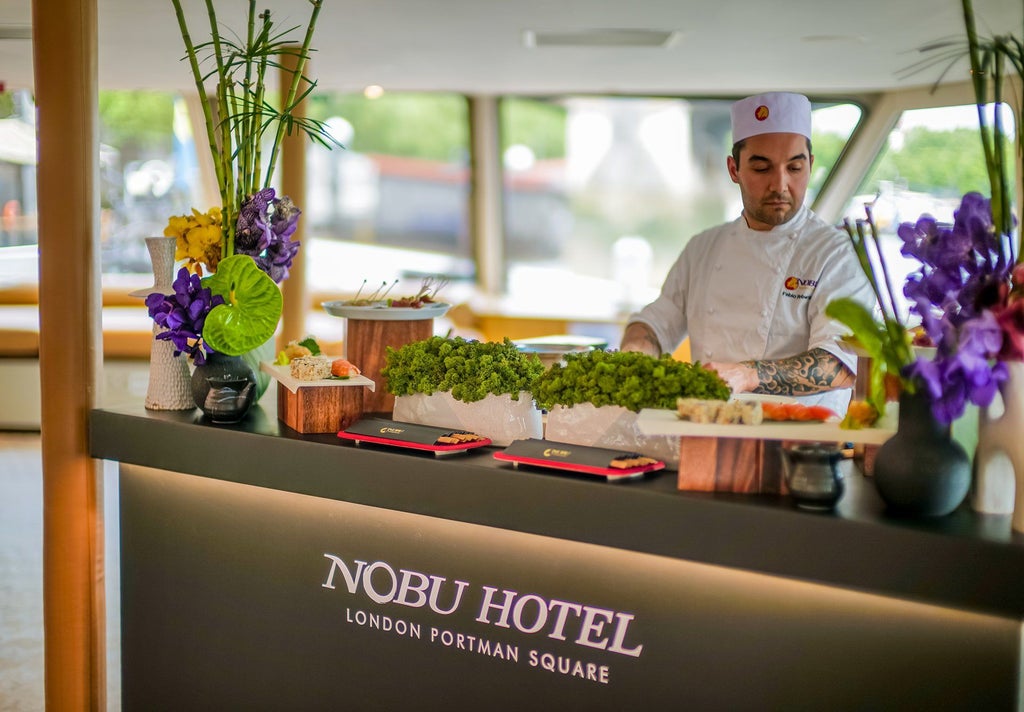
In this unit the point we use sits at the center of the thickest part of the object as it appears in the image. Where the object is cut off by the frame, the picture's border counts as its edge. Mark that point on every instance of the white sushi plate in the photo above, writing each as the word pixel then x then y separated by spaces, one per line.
pixel 653 421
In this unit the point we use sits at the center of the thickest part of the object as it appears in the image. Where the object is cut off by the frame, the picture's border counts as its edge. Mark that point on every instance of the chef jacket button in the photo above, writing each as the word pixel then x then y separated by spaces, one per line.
pixel 718 266
pixel 707 353
pixel 764 312
pixel 711 310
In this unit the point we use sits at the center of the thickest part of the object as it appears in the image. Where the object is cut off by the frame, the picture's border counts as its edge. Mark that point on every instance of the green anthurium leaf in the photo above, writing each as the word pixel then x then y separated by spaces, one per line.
pixel 251 309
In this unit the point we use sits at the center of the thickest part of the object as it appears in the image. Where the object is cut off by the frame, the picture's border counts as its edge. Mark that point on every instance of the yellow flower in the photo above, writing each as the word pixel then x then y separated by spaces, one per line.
pixel 176 226
pixel 199 238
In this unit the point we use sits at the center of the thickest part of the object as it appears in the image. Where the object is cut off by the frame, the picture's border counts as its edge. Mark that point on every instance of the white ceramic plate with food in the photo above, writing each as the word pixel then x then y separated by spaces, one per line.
pixel 382 312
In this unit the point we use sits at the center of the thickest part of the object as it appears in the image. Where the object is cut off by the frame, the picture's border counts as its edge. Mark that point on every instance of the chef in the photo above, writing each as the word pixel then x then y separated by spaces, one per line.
pixel 751 294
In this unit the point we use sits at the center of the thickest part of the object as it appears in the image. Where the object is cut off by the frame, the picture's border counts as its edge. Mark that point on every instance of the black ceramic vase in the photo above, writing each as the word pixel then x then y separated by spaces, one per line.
pixel 224 388
pixel 921 470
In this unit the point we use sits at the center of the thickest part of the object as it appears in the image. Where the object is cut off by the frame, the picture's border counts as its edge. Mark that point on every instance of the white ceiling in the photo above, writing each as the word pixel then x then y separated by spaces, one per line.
pixel 476 46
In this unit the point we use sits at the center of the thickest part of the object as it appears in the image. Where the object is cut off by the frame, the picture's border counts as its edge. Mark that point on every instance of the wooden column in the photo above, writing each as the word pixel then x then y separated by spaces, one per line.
pixel 487 195
pixel 64 34
pixel 293 184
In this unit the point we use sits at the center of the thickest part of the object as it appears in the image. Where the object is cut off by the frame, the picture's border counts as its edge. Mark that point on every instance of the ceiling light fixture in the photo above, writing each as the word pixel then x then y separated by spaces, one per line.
pixel 610 37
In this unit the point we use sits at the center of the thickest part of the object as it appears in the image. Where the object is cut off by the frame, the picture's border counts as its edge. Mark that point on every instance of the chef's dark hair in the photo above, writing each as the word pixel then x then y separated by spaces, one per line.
pixel 738 146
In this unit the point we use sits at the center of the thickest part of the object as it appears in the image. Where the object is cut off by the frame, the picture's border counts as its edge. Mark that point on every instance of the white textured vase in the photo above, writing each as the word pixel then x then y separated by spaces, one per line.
pixel 999 458
pixel 170 382
pixel 169 385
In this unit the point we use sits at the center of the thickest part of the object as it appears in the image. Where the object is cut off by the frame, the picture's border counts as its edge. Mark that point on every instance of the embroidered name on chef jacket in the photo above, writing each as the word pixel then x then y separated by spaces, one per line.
pixel 797 288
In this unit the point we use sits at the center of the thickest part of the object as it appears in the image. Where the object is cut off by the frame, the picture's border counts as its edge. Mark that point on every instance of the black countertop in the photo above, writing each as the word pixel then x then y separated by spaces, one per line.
pixel 964 560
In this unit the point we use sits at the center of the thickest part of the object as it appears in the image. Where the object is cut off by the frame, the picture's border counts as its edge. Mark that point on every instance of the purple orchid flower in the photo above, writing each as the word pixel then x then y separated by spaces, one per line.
pixel 183 315
pixel 263 231
pixel 960 293
pixel 252 231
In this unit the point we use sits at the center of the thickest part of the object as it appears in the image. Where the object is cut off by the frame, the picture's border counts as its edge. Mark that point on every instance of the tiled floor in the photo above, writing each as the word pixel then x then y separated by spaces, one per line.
pixel 21 576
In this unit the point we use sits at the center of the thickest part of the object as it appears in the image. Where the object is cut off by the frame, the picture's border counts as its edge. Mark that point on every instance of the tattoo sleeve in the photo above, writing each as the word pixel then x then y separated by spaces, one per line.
pixel 810 372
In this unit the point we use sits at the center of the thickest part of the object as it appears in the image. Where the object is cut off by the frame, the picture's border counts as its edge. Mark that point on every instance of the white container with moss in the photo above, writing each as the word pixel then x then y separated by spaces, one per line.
pixel 482 387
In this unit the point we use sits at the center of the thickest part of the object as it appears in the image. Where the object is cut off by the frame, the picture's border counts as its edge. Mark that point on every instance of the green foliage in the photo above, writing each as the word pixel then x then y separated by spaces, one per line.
pixel 232 90
pixel 6 104
pixel 310 343
pixel 469 369
pixel 628 379
pixel 827 148
pixel 537 124
pixel 887 343
pixel 428 126
pixel 943 163
pixel 139 123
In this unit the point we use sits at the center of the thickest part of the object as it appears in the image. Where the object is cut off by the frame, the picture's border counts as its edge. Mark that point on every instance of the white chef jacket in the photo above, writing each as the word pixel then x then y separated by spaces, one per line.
pixel 743 294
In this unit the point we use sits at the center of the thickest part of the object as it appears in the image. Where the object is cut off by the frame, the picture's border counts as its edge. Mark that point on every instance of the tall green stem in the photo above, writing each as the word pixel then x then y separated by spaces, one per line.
pixel 293 89
pixel 204 97
pixel 992 146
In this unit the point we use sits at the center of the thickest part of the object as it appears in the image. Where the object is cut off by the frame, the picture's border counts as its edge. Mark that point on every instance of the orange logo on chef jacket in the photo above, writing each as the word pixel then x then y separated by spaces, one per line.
pixel 761 113
pixel 798 288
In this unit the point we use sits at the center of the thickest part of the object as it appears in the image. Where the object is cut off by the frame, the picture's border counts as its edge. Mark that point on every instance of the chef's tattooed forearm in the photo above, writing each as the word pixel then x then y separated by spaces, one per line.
pixel 810 372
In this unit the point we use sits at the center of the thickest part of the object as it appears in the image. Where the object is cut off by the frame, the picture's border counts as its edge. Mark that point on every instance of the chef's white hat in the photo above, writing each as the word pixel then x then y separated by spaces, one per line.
pixel 775 112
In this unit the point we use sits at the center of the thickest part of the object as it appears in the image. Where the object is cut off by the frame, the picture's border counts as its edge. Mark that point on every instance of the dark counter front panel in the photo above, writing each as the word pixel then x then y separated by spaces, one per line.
pixel 244 597
pixel 967 561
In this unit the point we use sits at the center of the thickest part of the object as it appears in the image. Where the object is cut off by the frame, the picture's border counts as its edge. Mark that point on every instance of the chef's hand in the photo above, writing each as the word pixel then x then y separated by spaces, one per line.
pixel 741 377
pixel 640 337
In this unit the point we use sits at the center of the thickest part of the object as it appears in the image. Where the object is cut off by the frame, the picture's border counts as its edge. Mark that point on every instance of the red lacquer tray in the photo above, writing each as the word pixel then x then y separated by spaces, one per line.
pixel 412 436
pixel 577 459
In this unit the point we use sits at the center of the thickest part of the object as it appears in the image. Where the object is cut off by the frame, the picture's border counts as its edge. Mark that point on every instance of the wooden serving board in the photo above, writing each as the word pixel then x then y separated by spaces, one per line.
pixel 321 406
pixel 743 458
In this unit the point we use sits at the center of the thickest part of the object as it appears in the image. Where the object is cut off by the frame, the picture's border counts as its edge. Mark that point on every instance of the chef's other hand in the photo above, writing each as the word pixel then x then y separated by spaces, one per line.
pixel 740 377
pixel 640 337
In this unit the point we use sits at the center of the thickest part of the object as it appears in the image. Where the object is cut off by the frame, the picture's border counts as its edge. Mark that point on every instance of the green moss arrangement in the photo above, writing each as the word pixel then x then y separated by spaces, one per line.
pixel 469 369
pixel 625 378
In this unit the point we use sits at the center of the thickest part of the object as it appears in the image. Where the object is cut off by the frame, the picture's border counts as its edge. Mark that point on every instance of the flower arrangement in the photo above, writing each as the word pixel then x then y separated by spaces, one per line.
pixel 968 289
pixel 243 245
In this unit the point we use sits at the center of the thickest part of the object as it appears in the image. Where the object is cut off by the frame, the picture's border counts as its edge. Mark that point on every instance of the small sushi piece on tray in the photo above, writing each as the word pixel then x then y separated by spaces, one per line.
pixel 603 462
pixel 382 431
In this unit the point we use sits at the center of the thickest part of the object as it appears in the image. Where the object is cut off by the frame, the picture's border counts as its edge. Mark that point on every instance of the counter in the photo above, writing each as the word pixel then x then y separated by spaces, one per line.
pixel 244 550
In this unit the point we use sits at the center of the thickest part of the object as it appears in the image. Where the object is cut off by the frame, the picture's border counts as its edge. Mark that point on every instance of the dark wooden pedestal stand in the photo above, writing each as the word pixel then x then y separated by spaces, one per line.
pixel 366 342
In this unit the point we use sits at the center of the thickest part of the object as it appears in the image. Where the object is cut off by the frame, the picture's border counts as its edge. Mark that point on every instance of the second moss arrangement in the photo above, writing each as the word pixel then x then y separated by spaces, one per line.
pixel 626 378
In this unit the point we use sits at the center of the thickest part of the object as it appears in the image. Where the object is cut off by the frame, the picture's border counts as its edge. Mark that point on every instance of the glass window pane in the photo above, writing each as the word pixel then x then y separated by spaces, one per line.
pixel 18 216
pixel 599 190
pixel 395 201
pixel 147 174
pixel 932 157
